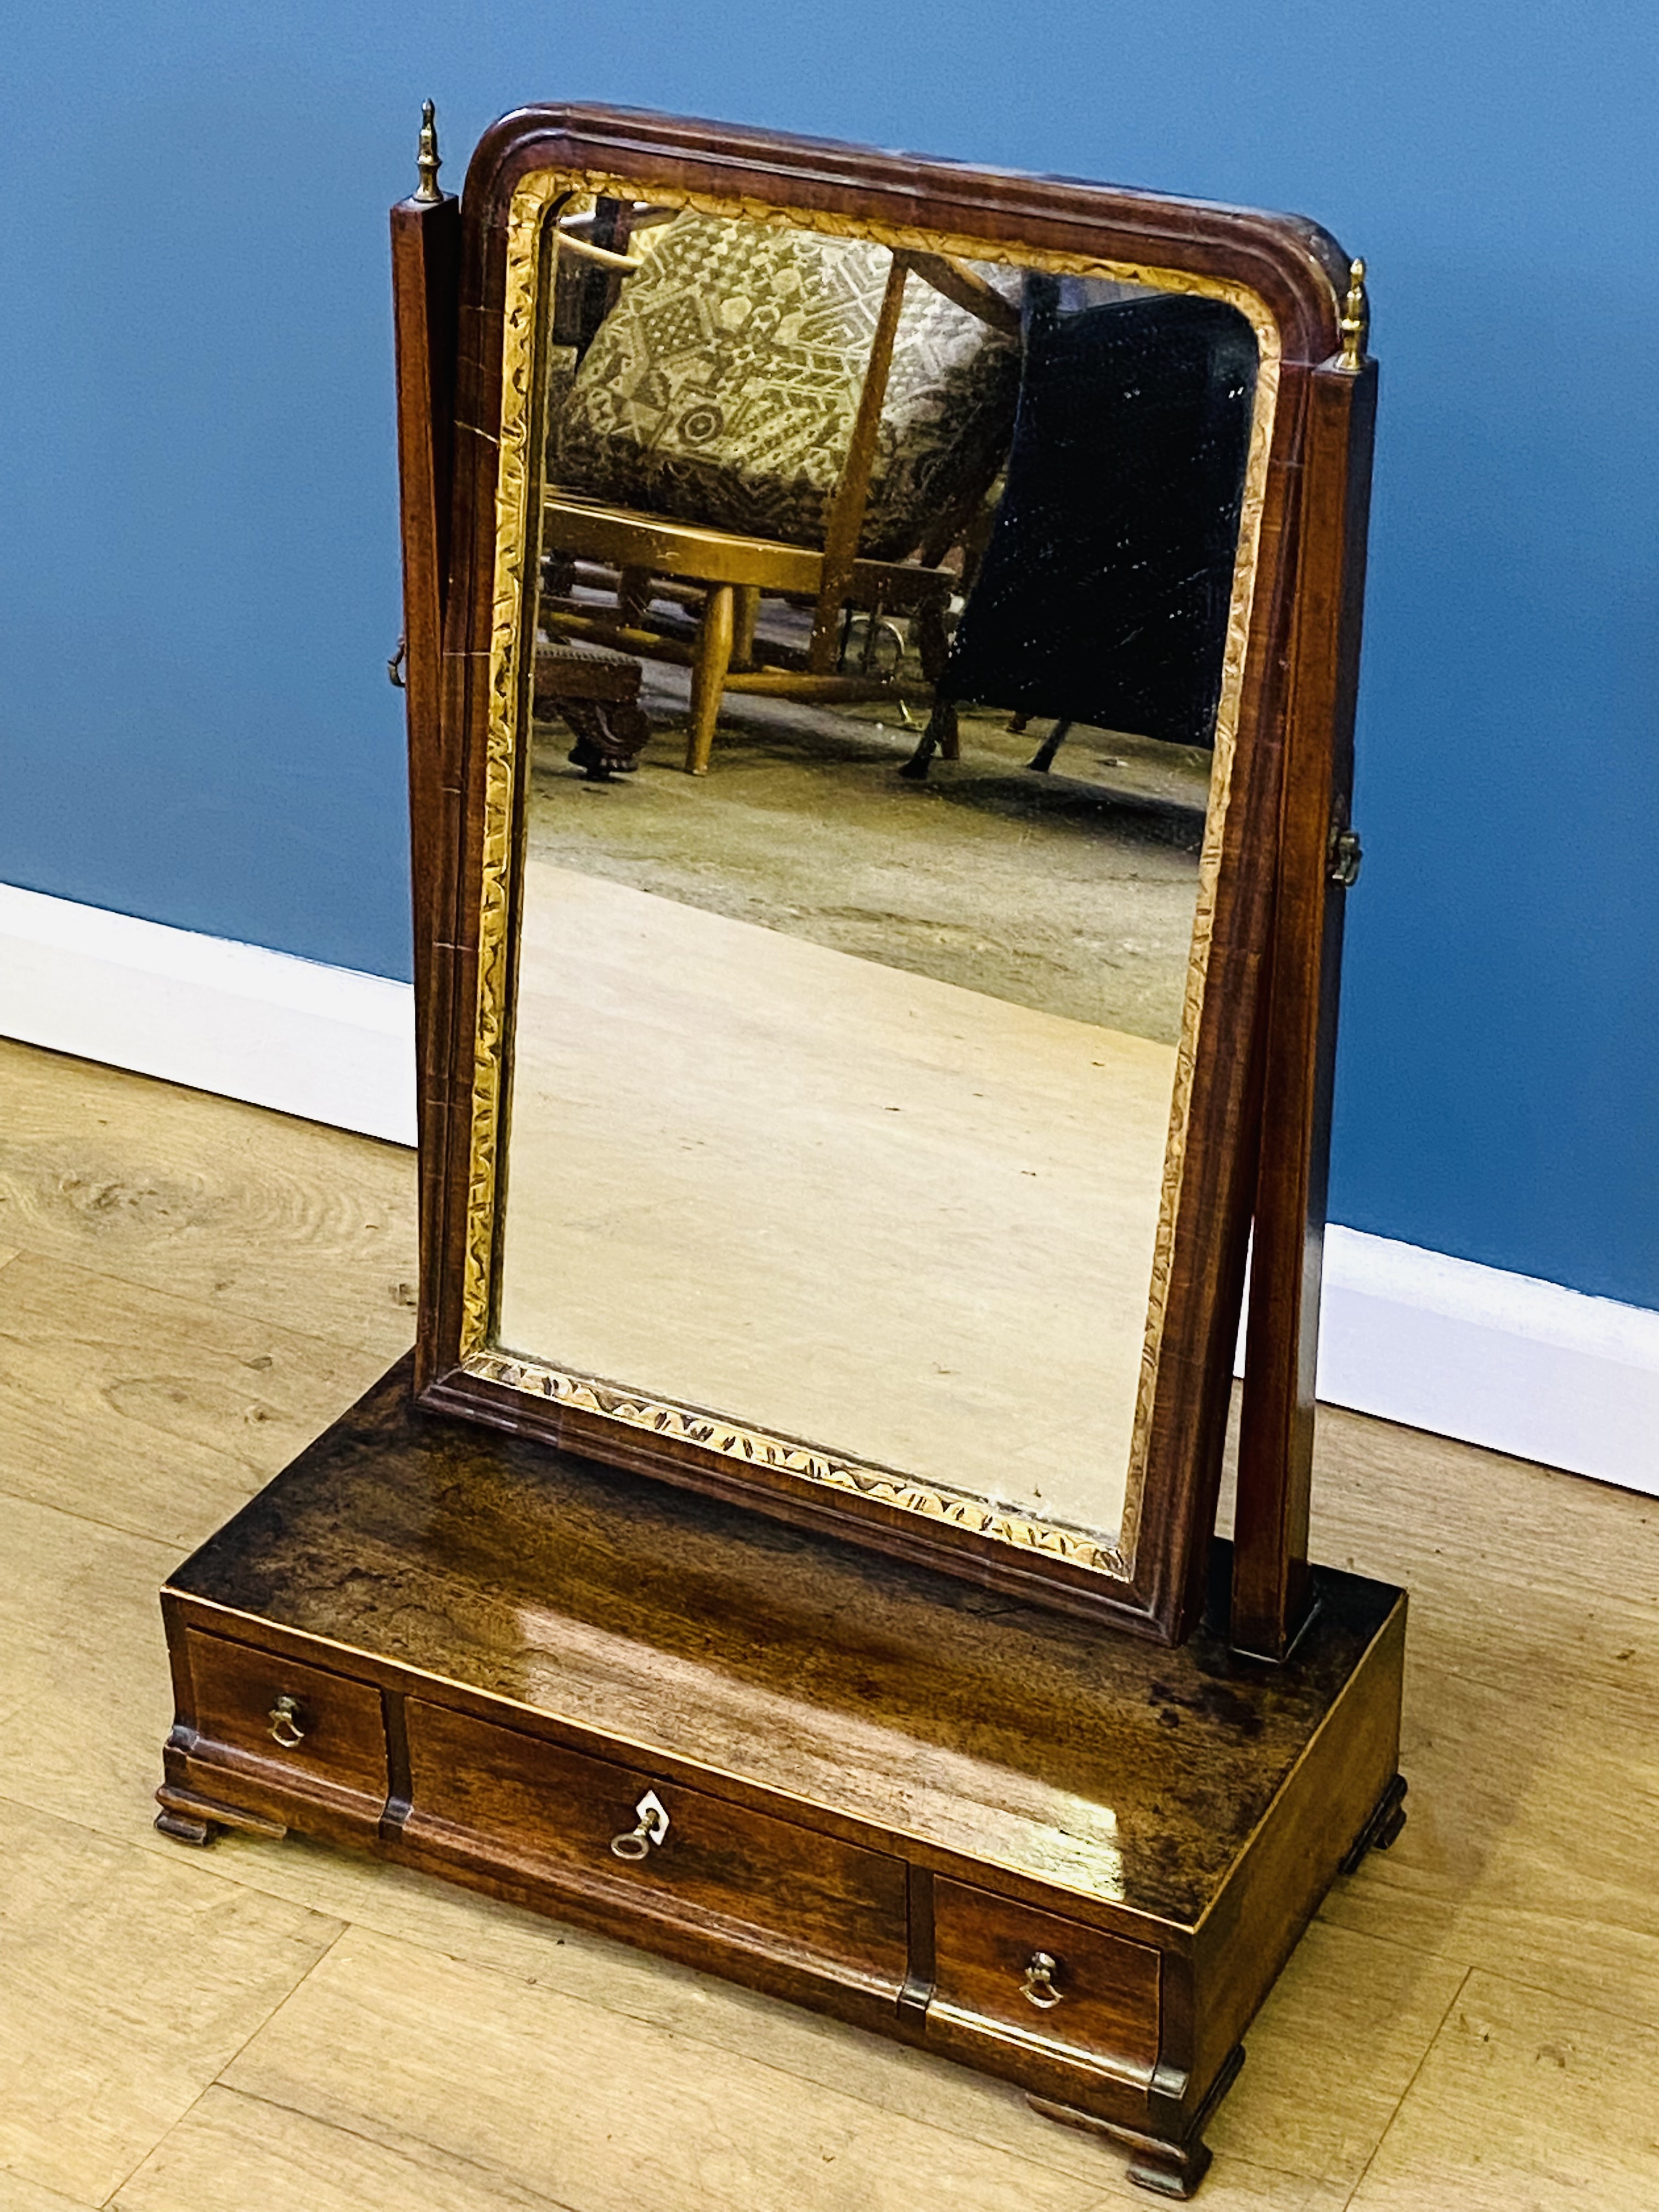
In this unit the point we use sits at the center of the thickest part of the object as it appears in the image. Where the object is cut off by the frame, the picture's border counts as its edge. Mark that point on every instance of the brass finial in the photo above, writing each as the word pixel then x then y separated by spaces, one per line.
pixel 1356 321
pixel 427 160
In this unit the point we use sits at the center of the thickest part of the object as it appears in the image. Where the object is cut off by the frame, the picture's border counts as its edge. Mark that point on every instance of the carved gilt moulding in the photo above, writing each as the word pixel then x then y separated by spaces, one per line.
pixel 511 198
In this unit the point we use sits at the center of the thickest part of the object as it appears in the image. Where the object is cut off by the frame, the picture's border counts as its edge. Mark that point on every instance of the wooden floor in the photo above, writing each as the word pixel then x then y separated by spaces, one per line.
pixel 191 1289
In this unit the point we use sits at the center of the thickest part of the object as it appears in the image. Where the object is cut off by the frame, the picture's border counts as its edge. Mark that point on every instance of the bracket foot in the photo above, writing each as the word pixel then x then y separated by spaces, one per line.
pixel 1168 2166
pixel 186 1830
pixel 1387 1819
pixel 193 1820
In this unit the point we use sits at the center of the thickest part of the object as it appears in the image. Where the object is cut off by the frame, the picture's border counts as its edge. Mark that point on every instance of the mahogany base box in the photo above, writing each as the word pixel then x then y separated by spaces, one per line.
pixel 1057 1854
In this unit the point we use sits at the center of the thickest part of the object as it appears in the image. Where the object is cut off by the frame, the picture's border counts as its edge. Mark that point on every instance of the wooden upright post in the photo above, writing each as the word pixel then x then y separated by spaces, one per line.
pixel 1319 858
pixel 425 257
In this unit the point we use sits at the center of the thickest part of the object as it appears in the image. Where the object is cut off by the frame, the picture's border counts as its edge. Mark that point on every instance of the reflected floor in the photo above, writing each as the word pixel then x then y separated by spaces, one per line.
pixel 899 1219
pixel 1073 891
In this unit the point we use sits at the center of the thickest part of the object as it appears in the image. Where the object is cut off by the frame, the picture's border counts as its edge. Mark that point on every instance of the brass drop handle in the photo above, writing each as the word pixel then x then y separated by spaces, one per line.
pixel 653 1826
pixel 1038 1986
pixel 285 1722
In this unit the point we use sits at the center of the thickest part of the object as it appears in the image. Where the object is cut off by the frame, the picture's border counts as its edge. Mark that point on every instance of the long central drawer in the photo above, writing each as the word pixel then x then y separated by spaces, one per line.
pixel 555 1813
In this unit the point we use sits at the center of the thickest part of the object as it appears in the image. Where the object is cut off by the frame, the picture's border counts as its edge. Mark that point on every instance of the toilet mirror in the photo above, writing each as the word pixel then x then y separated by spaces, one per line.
pixel 865 723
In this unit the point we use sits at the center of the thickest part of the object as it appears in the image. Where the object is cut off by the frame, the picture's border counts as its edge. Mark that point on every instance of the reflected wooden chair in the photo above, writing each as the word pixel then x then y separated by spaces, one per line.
pixel 721 572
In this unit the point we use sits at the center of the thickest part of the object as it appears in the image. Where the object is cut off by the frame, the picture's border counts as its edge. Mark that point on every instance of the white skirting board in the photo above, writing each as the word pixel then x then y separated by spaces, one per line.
pixel 1522 1366
pixel 325 1043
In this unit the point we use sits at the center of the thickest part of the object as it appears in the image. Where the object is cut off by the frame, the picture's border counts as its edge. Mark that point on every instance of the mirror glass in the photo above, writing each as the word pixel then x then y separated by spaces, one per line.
pixel 869 777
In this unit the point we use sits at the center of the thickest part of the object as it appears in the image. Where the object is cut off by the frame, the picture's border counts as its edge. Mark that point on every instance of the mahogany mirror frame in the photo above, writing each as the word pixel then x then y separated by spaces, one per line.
pixel 1258 1112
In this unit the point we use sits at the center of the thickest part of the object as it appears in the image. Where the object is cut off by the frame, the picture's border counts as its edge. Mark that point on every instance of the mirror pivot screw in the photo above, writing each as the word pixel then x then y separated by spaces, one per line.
pixel 1346 855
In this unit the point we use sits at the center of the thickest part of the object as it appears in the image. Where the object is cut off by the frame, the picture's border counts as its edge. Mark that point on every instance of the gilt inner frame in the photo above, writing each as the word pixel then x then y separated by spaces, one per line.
pixel 527 281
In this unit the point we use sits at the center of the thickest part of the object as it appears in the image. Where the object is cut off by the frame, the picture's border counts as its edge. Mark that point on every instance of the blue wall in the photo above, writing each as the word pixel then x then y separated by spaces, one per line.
pixel 198 566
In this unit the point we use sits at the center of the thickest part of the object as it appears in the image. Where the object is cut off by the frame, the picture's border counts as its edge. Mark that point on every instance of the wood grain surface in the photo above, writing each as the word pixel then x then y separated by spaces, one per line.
pixel 1105 1990
pixel 703 1640
pixel 559 1646
pixel 551 1812
pixel 128 1987
pixel 1470 2022
pixel 1525 2099
pixel 1270 1583
pixel 244 1211
pixel 195 1404
pixel 340 1743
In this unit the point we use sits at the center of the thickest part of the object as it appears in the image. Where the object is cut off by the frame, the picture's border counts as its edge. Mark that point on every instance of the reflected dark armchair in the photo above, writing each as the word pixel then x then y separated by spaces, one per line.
pixel 1104 591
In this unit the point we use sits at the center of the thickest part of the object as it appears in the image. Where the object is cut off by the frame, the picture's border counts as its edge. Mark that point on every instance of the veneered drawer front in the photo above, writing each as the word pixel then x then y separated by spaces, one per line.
pixel 239 1693
pixel 552 1809
pixel 1099 1997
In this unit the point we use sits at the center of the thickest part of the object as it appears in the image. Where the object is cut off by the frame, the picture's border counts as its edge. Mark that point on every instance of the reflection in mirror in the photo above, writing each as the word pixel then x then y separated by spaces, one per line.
pixel 841 1074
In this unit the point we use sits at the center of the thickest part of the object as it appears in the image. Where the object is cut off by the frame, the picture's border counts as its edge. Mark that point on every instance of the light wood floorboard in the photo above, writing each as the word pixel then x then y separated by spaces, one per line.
pixel 154 1413
pixel 19 2194
pixel 189 1290
pixel 128 1985
pixel 204 1198
pixel 83 1669
pixel 1531 1734
pixel 1526 2103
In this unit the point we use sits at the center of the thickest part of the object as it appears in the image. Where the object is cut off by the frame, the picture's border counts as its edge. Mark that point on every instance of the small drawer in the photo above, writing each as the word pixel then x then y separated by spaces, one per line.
pixel 255 1710
pixel 1049 1979
pixel 554 1815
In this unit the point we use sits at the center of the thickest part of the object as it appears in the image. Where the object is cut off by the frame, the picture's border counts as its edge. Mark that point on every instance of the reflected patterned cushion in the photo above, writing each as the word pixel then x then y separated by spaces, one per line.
pixel 722 386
